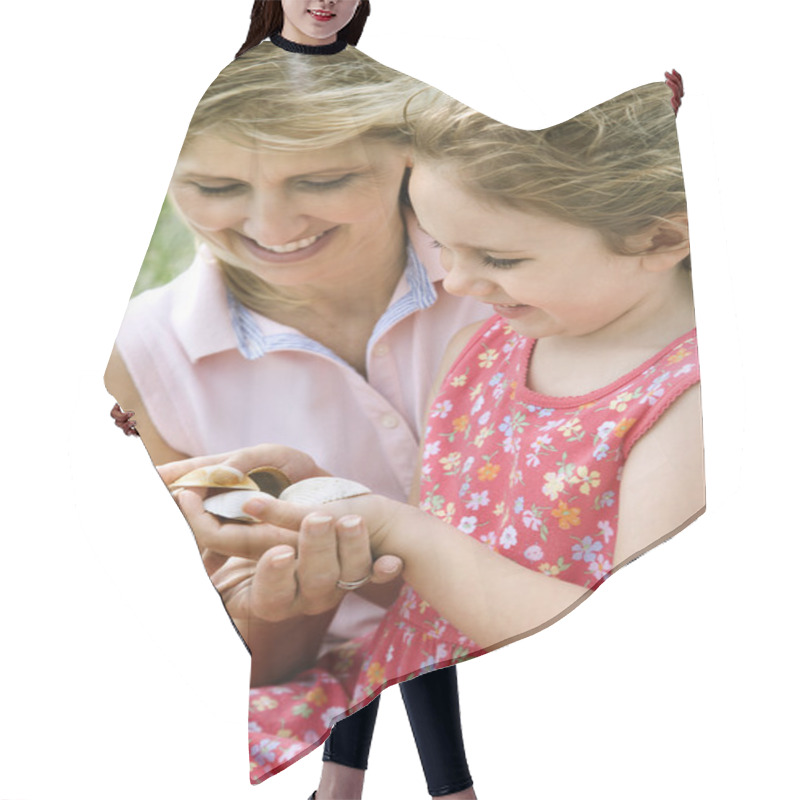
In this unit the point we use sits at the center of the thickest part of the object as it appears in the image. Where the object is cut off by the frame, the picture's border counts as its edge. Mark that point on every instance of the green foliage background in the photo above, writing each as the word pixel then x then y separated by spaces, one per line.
pixel 170 252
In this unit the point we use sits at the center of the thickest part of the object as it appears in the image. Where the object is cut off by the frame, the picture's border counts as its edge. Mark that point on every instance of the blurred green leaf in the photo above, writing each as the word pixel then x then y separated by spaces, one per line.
pixel 170 252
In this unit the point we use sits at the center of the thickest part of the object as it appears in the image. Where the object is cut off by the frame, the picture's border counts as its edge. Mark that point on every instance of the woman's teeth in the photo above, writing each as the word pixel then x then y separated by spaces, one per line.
pixel 321 15
pixel 292 246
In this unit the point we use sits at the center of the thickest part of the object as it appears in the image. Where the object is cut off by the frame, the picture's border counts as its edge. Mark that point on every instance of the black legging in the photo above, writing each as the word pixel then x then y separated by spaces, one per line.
pixel 432 706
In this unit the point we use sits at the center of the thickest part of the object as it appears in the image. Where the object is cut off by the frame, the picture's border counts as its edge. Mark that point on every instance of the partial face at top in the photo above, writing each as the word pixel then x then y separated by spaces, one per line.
pixel 316 22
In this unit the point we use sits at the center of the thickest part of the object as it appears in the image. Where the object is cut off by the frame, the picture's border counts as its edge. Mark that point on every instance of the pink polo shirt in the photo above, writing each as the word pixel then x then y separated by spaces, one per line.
pixel 216 376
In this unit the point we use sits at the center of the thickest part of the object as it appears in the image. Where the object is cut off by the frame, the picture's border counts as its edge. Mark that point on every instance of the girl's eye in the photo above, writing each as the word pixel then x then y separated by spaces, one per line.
pixel 487 260
pixel 228 189
pixel 323 186
pixel 501 263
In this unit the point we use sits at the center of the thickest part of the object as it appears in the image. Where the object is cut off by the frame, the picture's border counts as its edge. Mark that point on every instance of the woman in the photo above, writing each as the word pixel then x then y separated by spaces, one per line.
pixel 306 319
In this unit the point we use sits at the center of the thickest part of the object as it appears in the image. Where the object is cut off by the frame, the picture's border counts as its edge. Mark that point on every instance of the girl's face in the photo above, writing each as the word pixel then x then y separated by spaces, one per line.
pixel 294 218
pixel 546 276
pixel 316 22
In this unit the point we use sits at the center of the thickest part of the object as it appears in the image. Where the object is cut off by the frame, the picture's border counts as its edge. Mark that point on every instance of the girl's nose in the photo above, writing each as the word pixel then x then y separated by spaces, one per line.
pixel 462 279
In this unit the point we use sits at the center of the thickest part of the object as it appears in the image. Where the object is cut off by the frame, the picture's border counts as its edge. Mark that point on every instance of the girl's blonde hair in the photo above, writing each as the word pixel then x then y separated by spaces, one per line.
pixel 273 99
pixel 615 168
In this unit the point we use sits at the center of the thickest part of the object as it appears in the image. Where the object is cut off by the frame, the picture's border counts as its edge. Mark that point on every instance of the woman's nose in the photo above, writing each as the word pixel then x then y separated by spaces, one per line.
pixel 463 279
pixel 272 219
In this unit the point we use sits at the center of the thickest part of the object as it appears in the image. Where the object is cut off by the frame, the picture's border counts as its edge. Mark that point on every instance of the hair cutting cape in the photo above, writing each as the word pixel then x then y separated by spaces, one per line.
pixel 205 369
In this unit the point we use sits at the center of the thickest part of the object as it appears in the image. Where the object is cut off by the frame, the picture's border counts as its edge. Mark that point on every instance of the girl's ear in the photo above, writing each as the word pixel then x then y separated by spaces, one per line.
pixel 664 244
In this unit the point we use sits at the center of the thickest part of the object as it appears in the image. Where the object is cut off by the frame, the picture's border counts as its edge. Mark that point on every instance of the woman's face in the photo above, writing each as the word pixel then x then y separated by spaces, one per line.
pixel 316 22
pixel 294 218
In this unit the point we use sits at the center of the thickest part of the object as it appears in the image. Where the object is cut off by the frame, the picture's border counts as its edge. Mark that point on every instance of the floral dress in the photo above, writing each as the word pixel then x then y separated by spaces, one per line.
pixel 536 478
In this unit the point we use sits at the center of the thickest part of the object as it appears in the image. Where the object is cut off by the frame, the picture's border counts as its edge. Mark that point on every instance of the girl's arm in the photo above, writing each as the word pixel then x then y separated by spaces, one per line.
pixel 663 481
pixel 487 596
pixel 493 599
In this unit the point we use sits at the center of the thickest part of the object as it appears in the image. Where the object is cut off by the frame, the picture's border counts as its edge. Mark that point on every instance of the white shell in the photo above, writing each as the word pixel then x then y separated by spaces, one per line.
pixel 315 491
pixel 229 504
pixel 310 492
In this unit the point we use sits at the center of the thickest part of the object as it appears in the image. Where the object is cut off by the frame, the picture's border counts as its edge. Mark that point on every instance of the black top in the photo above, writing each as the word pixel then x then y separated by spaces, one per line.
pixel 310 49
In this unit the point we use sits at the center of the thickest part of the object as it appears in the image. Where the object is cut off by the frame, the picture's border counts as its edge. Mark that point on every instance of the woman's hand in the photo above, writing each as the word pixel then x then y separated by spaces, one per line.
pixel 295 464
pixel 282 584
pixel 277 572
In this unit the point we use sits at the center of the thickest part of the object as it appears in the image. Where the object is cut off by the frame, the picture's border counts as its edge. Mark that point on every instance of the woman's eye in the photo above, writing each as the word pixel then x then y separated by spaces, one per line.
pixel 227 189
pixel 322 186
pixel 501 263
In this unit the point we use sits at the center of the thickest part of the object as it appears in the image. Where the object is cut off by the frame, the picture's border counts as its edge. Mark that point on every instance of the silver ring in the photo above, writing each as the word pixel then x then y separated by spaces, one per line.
pixel 348 586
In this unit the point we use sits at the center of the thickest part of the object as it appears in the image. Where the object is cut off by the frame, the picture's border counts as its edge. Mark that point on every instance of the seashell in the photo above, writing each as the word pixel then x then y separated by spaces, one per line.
pixel 315 491
pixel 229 504
pixel 217 476
pixel 269 479
pixel 220 476
pixel 309 492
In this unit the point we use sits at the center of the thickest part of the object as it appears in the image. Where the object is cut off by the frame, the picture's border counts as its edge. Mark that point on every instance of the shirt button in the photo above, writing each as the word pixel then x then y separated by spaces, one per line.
pixel 381 349
pixel 389 421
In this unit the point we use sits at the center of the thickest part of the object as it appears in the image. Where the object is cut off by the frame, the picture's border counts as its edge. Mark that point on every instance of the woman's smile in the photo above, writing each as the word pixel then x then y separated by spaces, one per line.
pixel 291 251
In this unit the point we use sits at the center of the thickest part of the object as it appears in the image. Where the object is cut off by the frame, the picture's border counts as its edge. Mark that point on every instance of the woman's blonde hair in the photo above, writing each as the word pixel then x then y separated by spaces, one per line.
pixel 279 100
pixel 615 168
pixel 272 99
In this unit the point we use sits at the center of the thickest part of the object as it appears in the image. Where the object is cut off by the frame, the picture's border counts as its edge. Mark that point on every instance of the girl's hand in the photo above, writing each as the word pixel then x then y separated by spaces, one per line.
pixel 379 516
pixel 278 586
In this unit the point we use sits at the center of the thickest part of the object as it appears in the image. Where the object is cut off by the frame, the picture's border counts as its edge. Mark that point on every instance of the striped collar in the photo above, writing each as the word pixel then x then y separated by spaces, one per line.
pixel 415 291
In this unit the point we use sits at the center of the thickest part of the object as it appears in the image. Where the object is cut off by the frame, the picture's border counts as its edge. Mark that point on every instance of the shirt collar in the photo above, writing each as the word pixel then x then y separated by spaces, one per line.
pixel 414 292
pixel 208 320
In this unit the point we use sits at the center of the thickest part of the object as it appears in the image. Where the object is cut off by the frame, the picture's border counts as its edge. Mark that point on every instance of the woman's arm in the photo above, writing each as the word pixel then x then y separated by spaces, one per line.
pixel 121 386
pixel 289 642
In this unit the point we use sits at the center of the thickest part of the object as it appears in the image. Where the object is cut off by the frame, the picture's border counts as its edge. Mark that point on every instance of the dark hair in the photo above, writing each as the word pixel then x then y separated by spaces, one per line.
pixel 266 19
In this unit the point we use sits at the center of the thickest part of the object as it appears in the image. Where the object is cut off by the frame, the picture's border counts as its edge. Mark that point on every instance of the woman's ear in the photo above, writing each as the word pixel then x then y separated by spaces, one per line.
pixel 664 244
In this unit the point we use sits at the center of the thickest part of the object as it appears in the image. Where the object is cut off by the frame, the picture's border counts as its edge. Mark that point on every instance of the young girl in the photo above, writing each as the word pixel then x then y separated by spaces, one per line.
pixel 567 434
pixel 565 438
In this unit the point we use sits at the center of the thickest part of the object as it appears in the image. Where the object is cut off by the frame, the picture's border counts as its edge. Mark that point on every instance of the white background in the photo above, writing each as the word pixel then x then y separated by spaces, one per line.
pixel 120 675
